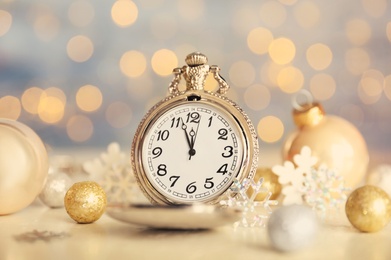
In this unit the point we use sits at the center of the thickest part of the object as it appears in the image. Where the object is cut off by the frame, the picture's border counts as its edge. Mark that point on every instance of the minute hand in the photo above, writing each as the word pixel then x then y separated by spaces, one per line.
pixel 194 134
pixel 184 127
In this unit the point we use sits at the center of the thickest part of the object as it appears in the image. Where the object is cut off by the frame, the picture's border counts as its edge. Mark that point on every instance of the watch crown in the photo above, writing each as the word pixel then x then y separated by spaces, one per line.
pixel 196 59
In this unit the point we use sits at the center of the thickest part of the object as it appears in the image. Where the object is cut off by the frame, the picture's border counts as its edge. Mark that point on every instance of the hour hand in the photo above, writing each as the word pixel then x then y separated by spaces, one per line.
pixel 190 142
pixel 192 136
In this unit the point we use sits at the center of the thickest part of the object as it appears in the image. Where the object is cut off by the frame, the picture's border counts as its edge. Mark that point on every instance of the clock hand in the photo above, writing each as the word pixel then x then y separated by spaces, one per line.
pixel 194 136
pixel 189 142
pixel 184 127
pixel 192 150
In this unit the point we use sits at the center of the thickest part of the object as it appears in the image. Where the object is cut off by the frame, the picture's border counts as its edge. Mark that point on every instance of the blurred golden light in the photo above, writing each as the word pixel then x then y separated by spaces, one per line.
pixel 81 13
pixel 242 74
pixel 358 31
pixel 46 26
pixel 163 26
pixel 372 82
pixel 259 39
pixel 210 83
pixel 5 22
pixel 307 14
pixel 31 98
pixel 118 114
pixel 270 129
pixel 79 128
pixel 388 31
pixel 290 79
pixel 288 2
pixel 163 61
pixel 124 13
pixel 364 97
pixel 10 107
pixel 80 48
pixel 322 86
pixel 269 73
pixel 273 13
pixel 56 92
pixel 89 98
pixel 319 56
pixel 282 50
pixel 387 86
pixel 257 97
pixel 353 113
pixel 375 8
pixel 133 64
pixel 50 109
pixel 357 60
pixel 371 86
pixel 191 10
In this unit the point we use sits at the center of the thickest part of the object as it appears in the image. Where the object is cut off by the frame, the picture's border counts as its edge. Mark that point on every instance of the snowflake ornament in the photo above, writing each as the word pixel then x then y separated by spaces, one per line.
pixel 303 183
pixel 254 213
pixel 112 170
pixel 324 189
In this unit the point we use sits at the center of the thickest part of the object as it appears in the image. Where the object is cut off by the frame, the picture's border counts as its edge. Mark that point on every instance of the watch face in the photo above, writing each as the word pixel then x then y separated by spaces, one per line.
pixel 192 152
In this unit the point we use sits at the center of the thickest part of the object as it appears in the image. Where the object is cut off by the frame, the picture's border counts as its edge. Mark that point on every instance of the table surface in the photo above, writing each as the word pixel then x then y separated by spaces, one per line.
pixel 111 239
pixel 108 238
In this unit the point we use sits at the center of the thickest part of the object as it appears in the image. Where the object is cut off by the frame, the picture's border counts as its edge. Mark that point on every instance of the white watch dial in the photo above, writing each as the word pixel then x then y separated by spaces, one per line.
pixel 192 152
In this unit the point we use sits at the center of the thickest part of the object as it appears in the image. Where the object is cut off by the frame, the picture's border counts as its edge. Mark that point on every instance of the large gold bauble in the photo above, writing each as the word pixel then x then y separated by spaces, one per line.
pixel 333 140
pixel 85 202
pixel 23 166
pixel 368 208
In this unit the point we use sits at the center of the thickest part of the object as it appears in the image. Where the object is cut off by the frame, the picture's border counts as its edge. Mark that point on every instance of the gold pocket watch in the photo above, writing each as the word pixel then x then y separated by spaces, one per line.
pixel 192 145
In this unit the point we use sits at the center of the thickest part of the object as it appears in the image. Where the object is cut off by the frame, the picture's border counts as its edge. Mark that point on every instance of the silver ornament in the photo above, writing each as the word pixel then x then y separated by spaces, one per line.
pixel 57 184
pixel 292 227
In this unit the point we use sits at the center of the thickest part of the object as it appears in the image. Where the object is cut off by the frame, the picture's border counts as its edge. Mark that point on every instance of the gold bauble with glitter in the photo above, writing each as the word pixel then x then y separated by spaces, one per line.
pixel 332 139
pixel 368 208
pixel 270 182
pixel 85 202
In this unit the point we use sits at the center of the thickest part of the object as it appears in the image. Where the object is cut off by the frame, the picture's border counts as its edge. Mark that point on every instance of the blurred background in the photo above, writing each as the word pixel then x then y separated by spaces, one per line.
pixel 83 73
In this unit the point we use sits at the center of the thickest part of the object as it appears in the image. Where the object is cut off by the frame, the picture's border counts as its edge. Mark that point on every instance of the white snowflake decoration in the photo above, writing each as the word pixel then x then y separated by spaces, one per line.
pixel 321 188
pixel 254 213
pixel 112 170
pixel 324 189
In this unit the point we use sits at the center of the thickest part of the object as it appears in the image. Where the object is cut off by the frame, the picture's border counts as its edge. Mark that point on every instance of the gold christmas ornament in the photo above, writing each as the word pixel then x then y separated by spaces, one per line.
pixel 368 208
pixel 23 166
pixel 270 182
pixel 85 202
pixel 335 141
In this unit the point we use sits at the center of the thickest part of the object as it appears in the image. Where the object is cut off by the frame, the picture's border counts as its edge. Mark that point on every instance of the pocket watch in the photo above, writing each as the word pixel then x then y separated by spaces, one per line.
pixel 192 145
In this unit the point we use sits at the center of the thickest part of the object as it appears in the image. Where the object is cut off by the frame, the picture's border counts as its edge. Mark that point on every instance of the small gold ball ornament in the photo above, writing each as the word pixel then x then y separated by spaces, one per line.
pixel 85 202
pixel 368 208
pixel 270 182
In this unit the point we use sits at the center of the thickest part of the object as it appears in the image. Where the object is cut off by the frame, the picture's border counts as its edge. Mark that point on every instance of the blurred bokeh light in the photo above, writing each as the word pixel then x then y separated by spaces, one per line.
pixel 85 72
